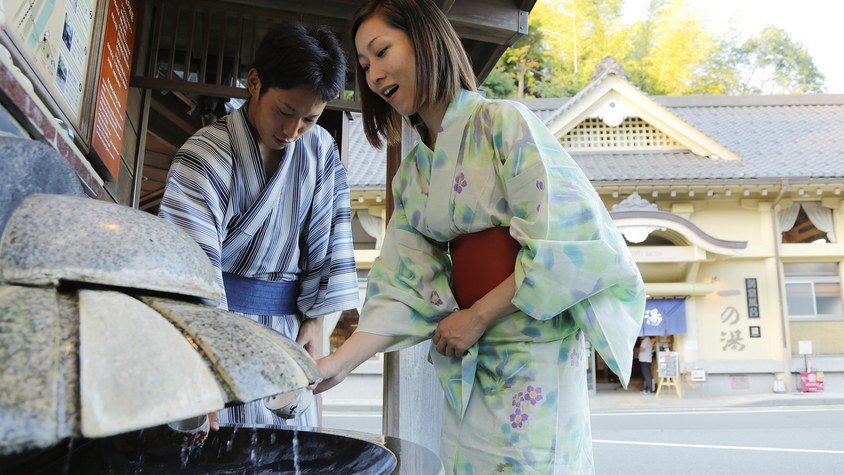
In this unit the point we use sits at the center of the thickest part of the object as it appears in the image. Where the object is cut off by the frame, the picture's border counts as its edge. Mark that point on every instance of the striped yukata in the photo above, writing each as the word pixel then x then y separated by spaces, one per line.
pixel 294 227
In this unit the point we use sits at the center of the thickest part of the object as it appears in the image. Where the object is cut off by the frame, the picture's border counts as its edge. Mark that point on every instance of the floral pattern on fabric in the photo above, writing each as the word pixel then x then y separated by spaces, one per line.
pixel 496 164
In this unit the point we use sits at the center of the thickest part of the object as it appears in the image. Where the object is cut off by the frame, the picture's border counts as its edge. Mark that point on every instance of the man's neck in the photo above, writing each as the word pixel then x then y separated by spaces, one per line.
pixel 271 158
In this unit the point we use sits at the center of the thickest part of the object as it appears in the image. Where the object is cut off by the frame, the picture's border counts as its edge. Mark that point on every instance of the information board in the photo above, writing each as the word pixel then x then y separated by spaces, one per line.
pixel 56 37
pixel 113 87
pixel 668 364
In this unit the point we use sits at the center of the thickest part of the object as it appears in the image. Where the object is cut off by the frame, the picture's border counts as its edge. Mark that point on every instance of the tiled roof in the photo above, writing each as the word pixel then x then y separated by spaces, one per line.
pixel 367 165
pixel 776 136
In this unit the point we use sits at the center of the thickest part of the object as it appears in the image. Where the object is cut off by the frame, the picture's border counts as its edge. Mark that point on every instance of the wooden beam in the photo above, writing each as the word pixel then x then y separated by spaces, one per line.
pixel 445 5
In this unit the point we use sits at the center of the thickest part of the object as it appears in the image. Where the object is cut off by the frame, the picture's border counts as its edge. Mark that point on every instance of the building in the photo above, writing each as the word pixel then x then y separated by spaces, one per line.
pixel 731 206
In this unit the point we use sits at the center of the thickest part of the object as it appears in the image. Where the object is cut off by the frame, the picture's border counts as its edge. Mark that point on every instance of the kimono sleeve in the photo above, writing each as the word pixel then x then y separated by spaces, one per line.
pixel 573 258
pixel 408 289
pixel 329 282
pixel 194 201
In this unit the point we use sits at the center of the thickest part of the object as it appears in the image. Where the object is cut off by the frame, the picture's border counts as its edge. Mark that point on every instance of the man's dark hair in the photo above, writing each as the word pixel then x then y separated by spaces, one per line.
pixel 295 55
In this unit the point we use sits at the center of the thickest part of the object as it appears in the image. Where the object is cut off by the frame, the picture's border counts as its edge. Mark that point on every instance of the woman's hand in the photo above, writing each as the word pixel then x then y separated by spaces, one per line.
pixel 332 373
pixel 358 348
pixel 457 332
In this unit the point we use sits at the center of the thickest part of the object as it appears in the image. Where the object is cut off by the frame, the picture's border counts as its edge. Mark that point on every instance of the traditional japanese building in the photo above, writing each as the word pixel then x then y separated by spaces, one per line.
pixel 731 206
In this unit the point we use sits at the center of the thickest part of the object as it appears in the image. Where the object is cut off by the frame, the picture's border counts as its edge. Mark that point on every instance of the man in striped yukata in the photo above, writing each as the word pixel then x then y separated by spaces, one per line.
pixel 264 194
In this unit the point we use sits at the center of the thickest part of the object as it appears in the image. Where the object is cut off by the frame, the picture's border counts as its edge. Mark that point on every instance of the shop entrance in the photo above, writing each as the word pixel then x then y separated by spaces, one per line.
pixel 606 380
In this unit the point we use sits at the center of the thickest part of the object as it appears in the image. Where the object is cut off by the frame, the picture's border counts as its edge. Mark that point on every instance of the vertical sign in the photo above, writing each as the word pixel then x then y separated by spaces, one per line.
pixel 113 87
pixel 752 298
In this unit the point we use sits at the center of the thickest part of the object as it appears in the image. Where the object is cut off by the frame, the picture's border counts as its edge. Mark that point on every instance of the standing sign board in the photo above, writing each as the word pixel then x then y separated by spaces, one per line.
pixel 113 88
pixel 668 364
pixel 56 37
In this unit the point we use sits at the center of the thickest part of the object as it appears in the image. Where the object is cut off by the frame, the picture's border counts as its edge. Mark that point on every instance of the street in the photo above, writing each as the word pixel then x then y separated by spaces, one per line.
pixel 765 441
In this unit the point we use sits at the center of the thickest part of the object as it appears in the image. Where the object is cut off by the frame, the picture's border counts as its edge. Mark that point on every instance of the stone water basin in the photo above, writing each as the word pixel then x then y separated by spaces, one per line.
pixel 244 450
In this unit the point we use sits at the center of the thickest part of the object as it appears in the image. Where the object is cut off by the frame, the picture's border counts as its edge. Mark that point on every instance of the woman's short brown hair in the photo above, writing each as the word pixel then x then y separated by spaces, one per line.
pixel 442 66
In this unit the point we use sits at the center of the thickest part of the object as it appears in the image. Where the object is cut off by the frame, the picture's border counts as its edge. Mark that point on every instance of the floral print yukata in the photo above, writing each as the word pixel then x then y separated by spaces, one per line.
pixel 517 402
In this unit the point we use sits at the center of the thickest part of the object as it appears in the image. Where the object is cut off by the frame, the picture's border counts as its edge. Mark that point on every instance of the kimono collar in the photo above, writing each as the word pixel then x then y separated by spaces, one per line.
pixel 246 153
pixel 438 166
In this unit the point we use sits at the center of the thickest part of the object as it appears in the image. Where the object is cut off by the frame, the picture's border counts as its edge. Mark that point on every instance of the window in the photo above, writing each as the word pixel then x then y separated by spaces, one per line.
pixel 804 231
pixel 813 290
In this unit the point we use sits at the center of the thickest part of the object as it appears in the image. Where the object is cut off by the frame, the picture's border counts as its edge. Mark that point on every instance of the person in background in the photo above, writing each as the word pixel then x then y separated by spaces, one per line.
pixel 646 349
pixel 499 251
pixel 264 194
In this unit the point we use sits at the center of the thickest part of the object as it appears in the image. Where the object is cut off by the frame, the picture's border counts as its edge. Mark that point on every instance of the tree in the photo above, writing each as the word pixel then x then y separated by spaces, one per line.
pixel 773 63
pixel 672 51
pixel 499 84
pixel 578 34
pixel 669 48
pixel 525 58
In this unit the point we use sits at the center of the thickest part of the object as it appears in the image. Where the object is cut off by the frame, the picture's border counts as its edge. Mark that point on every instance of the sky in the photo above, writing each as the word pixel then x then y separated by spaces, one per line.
pixel 815 23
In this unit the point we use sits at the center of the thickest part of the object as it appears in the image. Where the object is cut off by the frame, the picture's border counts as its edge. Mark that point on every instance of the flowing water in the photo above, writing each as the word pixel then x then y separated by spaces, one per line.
pixel 66 469
pixel 296 449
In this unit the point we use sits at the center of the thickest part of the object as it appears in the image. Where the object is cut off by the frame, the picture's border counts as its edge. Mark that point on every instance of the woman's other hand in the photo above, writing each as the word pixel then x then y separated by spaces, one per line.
pixel 457 332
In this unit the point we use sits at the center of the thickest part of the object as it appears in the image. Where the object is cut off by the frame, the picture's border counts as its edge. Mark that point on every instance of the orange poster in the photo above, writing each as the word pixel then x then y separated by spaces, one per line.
pixel 113 87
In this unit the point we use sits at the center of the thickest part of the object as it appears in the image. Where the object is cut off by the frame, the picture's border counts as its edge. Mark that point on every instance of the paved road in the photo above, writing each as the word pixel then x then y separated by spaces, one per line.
pixel 766 441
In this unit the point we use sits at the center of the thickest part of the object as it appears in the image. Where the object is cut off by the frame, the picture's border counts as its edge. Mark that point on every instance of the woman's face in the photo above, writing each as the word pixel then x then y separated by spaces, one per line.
pixel 386 55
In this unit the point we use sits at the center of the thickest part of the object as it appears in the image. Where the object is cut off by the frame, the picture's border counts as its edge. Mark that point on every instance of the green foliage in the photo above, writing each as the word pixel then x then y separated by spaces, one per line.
pixel 773 63
pixel 499 84
pixel 672 51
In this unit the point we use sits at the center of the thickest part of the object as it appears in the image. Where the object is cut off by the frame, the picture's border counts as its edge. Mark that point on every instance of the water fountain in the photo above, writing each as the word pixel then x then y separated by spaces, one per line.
pixel 106 335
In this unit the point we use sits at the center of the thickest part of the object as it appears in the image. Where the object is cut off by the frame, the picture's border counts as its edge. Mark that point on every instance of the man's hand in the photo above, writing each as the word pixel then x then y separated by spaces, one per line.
pixel 213 421
pixel 457 332
pixel 310 337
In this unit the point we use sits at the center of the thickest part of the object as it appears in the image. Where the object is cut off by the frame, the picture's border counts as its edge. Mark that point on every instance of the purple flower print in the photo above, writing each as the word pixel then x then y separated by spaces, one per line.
pixel 435 299
pixel 517 418
pixel 518 398
pixel 575 358
pixel 533 395
pixel 540 184
pixel 459 183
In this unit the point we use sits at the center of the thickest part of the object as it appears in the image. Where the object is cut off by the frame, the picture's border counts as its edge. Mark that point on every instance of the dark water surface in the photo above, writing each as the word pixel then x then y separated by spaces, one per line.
pixel 229 451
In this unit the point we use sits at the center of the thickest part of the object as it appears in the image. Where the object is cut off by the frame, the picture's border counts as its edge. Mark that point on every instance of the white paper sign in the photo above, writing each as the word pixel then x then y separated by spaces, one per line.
pixel 805 347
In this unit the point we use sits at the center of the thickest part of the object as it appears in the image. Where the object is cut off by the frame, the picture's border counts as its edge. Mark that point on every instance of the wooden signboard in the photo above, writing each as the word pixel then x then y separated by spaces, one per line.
pixel 113 88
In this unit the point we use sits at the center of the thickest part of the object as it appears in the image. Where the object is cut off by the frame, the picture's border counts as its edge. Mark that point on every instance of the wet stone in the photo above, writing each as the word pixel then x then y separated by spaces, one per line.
pixel 68 384
pixel 29 332
pixel 101 243
pixel 136 369
pixel 252 364
pixel 24 165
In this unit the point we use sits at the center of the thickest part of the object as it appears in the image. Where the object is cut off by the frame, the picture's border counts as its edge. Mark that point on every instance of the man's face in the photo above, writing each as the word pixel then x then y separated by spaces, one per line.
pixel 281 116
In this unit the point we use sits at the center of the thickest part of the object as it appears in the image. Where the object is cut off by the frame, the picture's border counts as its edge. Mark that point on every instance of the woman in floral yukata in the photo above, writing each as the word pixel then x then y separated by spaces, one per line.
pixel 512 360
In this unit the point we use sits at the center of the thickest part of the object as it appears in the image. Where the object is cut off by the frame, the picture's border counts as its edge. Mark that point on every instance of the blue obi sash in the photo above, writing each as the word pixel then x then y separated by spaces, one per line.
pixel 260 297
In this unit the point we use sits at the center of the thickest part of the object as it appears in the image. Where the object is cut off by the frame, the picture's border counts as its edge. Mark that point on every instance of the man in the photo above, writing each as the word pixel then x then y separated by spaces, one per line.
pixel 264 194
pixel 646 349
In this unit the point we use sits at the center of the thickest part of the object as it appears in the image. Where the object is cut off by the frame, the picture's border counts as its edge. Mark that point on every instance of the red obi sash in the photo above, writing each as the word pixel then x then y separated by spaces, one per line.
pixel 480 261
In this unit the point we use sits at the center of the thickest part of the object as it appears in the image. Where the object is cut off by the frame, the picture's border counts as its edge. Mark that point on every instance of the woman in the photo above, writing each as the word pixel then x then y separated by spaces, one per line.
pixel 490 179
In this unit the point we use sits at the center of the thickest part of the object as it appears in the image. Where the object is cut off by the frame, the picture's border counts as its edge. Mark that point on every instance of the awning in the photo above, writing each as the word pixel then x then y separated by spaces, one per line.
pixel 664 317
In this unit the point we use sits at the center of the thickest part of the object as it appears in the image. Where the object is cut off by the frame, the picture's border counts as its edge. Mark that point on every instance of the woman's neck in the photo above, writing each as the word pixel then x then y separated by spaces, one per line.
pixel 433 119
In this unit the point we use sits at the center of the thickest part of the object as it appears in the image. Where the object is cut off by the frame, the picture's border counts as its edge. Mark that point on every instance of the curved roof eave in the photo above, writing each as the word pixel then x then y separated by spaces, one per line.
pixel 683 226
